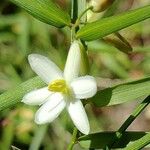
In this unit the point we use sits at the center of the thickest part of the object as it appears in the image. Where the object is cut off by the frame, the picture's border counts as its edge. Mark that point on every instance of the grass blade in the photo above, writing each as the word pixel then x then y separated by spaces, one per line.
pixel 45 11
pixel 14 96
pixel 106 26
pixel 139 144
pixel 122 93
pixel 99 140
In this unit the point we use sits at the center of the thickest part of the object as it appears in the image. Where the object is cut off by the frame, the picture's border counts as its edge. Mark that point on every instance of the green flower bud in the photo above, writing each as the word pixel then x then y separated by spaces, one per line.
pixel 84 66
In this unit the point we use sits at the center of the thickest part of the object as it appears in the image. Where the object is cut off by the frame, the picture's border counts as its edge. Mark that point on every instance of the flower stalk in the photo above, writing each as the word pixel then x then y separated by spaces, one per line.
pixel 73 140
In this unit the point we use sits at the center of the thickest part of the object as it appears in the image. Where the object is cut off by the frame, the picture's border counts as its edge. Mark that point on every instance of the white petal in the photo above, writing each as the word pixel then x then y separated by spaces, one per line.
pixel 78 116
pixel 72 66
pixel 44 68
pixel 51 109
pixel 84 87
pixel 36 97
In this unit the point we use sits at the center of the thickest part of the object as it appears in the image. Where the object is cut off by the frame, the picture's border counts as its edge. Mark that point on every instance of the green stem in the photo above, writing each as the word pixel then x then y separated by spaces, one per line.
pixel 74 10
pixel 74 137
pixel 129 120
pixel 80 16
pixel 74 16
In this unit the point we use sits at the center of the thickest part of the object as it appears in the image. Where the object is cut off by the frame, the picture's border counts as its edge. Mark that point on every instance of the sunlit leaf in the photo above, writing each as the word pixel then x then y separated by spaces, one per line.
pixel 15 95
pixel 106 26
pixel 45 11
pixel 140 143
pixel 122 93
pixel 118 41
pixel 100 140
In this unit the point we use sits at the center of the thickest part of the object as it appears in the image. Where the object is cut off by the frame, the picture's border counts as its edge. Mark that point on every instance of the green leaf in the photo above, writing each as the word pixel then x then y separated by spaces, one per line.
pixel 106 26
pixel 118 41
pixel 100 140
pixel 122 93
pixel 45 11
pixel 140 143
pixel 14 96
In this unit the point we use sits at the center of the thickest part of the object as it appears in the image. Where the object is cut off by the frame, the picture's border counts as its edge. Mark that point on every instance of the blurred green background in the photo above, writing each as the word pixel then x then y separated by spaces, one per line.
pixel 21 34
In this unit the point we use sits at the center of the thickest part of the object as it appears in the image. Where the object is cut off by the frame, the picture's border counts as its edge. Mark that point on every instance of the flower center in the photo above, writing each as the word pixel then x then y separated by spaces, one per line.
pixel 59 85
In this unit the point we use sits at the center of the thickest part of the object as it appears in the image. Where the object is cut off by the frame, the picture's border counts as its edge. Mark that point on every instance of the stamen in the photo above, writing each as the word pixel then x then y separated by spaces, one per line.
pixel 58 85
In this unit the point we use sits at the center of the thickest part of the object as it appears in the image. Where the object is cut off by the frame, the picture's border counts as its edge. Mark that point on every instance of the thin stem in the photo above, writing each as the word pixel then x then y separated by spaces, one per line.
pixel 74 16
pixel 80 16
pixel 129 120
pixel 74 137
pixel 74 10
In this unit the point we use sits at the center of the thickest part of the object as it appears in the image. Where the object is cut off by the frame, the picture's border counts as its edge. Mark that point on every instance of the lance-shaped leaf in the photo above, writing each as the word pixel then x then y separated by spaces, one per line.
pixel 122 93
pixel 100 140
pixel 45 11
pixel 15 95
pixel 118 41
pixel 106 26
pixel 140 143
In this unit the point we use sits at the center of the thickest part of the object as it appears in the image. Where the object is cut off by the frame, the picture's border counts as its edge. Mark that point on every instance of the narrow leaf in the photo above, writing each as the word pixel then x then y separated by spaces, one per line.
pixel 45 11
pixel 118 41
pixel 100 140
pixel 14 96
pixel 140 143
pixel 122 93
pixel 106 26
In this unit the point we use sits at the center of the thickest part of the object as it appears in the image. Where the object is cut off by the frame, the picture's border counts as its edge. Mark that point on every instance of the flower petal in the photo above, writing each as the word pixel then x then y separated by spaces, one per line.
pixel 36 97
pixel 44 68
pixel 51 109
pixel 72 66
pixel 84 87
pixel 78 116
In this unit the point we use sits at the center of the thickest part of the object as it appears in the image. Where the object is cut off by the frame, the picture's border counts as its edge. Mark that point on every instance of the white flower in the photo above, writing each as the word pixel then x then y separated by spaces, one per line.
pixel 64 89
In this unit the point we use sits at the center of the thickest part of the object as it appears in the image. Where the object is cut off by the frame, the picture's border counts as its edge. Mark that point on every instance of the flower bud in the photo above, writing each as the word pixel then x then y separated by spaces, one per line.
pixel 73 61
pixel 100 5
pixel 84 66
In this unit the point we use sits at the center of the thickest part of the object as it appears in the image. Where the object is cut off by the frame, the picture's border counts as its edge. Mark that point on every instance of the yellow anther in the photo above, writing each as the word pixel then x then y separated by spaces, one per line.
pixel 58 85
